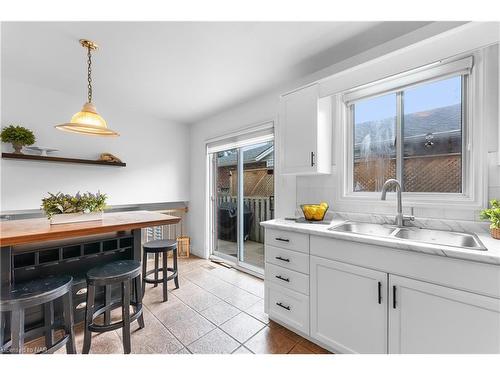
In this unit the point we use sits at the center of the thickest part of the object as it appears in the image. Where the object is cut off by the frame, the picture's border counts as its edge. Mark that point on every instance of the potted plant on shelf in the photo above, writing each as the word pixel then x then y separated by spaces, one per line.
pixel 493 215
pixel 17 135
pixel 65 208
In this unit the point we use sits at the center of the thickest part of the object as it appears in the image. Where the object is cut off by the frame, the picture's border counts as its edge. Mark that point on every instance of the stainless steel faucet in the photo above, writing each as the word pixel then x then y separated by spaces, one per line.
pixel 400 218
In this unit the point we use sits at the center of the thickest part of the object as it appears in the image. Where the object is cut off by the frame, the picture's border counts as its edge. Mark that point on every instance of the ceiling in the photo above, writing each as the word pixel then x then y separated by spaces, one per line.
pixel 182 71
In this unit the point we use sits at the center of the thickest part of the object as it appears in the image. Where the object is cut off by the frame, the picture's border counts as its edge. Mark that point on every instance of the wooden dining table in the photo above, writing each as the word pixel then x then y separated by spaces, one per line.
pixel 33 248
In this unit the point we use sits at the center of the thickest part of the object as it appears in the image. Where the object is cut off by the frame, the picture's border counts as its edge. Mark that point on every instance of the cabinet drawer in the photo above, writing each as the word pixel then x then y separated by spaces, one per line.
pixel 288 307
pixel 292 260
pixel 288 240
pixel 287 278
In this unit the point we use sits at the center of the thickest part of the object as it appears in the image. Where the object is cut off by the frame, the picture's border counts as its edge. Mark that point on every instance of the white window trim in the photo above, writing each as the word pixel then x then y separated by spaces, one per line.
pixel 474 171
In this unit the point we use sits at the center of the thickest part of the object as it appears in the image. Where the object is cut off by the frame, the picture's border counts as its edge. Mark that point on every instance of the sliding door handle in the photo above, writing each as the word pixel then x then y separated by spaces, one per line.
pixel 313 162
pixel 394 296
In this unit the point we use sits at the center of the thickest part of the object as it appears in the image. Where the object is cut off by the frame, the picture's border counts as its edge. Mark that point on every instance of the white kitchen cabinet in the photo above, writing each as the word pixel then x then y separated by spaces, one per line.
pixel 288 307
pixel 441 305
pixel 429 318
pixel 287 240
pixel 348 307
pixel 305 132
pixel 292 260
pixel 287 278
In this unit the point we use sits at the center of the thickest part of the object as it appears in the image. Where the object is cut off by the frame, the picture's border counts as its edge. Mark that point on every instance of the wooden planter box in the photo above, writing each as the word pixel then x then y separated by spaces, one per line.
pixel 75 218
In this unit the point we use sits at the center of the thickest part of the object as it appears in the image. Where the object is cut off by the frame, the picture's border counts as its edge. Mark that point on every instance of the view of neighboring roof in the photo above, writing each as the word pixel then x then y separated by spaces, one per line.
pixel 420 123
pixel 443 125
pixel 262 152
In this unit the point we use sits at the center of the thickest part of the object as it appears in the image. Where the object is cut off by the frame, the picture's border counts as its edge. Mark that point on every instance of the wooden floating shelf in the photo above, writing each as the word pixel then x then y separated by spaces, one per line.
pixel 54 159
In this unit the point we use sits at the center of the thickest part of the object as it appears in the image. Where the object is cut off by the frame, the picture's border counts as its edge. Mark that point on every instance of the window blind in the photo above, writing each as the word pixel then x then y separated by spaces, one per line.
pixel 244 137
pixel 437 70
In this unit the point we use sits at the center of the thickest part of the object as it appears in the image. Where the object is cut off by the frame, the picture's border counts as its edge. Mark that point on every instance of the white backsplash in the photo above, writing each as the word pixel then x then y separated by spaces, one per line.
pixel 314 189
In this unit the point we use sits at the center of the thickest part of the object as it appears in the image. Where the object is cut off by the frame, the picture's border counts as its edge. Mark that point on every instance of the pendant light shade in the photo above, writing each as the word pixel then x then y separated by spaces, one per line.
pixel 88 121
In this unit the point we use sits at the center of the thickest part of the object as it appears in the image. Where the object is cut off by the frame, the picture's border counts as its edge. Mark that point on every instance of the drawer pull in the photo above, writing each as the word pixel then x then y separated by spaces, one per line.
pixel 283 259
pixel 283 278
pixel 81 305
pixel 81 291
pixel 282 239
pixel 283 306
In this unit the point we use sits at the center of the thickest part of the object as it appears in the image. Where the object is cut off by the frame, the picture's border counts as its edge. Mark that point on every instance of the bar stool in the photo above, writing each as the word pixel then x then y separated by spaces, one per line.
pixel 19 297
pixel 156 247
pixel 123 272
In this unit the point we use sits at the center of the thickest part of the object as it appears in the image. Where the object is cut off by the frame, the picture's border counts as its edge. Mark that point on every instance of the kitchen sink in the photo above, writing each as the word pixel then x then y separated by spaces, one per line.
pixel 365 228
pixel 436 237
pixel 441 237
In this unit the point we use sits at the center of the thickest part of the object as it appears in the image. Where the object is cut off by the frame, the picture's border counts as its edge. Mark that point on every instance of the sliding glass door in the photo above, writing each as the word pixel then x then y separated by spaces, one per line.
pixel 225 204
pixel 242 181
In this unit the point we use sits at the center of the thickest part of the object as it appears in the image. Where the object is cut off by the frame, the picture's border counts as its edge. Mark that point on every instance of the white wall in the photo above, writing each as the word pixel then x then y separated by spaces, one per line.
pixel 309 189
pixel 156 152
pixel 261 110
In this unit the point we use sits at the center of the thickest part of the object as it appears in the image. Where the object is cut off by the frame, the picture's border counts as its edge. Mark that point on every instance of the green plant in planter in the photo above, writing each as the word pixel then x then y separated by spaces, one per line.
pixel 18 136
pixel 492 214
pixel 69 204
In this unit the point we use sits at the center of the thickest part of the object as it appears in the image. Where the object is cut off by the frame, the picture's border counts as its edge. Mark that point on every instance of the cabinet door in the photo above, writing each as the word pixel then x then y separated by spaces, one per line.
pixel 305 132
pixel 299 114
pixel 428 318
pixel 348 307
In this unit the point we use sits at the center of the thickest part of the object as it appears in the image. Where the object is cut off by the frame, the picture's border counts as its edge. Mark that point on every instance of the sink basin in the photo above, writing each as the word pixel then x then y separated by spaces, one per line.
pixel 436 237
pixel 364 228
pixel 441 237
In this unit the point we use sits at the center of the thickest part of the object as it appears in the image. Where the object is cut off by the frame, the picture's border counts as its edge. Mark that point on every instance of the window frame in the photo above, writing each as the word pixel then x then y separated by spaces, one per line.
pixel 399 146
pixel 472 174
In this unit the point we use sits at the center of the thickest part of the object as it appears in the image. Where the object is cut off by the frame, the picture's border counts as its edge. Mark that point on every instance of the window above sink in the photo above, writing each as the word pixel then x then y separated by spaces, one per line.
pixel 413 135
pixel 416 127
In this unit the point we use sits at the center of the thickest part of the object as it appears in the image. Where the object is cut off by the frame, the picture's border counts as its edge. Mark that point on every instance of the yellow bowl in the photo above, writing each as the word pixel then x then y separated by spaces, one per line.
pixel 314 212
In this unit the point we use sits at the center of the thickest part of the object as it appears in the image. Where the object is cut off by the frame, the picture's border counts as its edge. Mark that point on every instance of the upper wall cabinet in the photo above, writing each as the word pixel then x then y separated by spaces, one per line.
pixel 305 132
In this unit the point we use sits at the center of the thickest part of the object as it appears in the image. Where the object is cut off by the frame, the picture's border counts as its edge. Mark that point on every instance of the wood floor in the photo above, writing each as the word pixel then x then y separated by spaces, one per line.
pixel 215 310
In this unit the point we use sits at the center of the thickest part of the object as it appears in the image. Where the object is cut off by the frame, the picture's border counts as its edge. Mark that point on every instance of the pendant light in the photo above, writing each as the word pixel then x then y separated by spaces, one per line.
pixel 88 121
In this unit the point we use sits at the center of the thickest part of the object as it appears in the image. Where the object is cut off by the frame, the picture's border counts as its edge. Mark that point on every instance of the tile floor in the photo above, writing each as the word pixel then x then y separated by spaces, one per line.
pixel 215 310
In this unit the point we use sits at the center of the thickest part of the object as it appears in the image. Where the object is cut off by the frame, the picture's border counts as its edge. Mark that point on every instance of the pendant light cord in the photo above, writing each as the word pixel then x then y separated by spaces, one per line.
pixel 89 75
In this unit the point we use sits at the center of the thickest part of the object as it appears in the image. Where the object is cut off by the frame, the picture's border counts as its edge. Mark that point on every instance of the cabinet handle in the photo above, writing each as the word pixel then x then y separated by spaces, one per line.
pixel 312 159
pixel 282 239
pixel 394 296
pixel 283 306
pixel 379 292
pixel 283 278
pixel 283 259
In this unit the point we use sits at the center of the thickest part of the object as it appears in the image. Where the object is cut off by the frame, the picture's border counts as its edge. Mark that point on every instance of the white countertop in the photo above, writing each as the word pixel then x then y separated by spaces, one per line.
pixel 491 255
